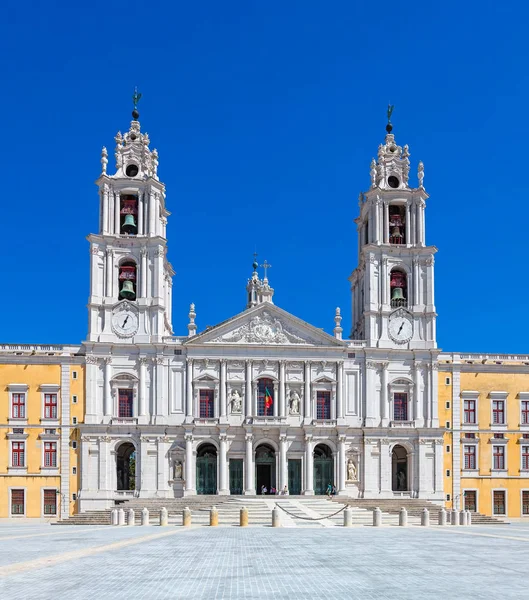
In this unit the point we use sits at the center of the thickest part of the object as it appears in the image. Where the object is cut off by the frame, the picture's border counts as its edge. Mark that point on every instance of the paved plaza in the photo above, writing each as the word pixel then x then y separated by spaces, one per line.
pixel 39 561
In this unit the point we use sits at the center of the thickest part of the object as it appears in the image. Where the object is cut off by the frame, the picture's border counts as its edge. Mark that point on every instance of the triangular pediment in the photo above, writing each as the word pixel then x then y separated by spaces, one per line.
pixel 265 325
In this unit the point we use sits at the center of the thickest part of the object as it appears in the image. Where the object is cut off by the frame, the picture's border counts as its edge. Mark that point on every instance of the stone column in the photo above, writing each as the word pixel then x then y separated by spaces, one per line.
pixel 107 398
pixel 249 388
pixel 223 465
pixel 433 398
pixel 417 393
pixel 428 388
pixel 309 466
pixel 109 266
pixel 275 411
pixel 140 212
pixel 189 388
pixel 86 475
pixel 152 203
pixel 385 468
pixel 223 406
pixel 384 393
pixel 341 465
pixel 339 390
pixel 143 273
pixel 283 473
pixel 386 222
pixel 104 224
pixel 161 399
pixel 250 486
pixel 282 405
pixel 408 223
pixel 142 387
pixel 117 215
pixel 307 409
pixel 190 466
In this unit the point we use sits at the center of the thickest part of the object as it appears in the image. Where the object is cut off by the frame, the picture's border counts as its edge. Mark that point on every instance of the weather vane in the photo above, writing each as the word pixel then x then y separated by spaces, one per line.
pixel 389 126
pixel 135 99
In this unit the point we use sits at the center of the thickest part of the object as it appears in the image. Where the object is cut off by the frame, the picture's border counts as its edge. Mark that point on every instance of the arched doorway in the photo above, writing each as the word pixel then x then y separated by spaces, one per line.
pixel 207 469
pixel 265 468
pixel 323 469
pixel 126 467
pixel 399 469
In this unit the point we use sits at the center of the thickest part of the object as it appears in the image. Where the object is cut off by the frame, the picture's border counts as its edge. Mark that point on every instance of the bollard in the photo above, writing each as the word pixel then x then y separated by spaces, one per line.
pixel 377 517
pixel 244 517
pixel 425 517
pixel 114 516
pixel 131 517
pixel 164 518
pixel 347 517
pixel 442 517
pixel 186 517
pixel 276 518
pixel 469 518
pixel 454 517
pixel 213 517
pixel 403 517
pixel 462 518
pixel 144 516
pixel 121 517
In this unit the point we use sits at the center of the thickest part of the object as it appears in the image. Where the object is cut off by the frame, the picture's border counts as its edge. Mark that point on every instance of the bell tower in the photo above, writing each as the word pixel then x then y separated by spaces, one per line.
pixel 131 278
pixel 393 284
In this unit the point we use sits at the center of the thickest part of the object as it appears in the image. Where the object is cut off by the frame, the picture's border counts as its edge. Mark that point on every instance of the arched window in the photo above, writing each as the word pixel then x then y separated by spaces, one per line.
pixel 265 397
pixel 127 280
pixel 128 214
pixel 397 224
pixel 398 283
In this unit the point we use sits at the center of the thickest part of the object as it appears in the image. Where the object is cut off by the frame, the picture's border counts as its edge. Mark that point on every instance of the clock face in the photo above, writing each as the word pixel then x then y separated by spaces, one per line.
pixel 400 328
pixel 125 322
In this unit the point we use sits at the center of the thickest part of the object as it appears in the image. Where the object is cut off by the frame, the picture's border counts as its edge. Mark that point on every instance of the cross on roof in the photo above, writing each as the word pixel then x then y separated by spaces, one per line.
pixel 266 266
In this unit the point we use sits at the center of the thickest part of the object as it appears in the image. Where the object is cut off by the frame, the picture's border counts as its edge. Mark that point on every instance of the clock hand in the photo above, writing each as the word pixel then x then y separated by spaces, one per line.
pixel 125 321
pixel 400 329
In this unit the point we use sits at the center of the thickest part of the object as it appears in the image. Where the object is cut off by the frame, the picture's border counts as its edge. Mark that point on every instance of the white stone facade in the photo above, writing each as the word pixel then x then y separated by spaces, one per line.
pixel 359 414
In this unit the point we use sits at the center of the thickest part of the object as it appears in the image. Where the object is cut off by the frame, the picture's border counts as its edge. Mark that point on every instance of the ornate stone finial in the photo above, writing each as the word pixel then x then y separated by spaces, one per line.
pixel 389 126
pixel 337 324
pixel 191 327
pixel 135 99
pixel 155 162
pixel 104 161
pixel 266 266
pixel 420 174
pixel 373 171
pixel 255 264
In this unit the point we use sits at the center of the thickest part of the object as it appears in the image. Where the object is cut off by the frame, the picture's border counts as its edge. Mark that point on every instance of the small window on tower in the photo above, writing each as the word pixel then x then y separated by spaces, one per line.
pixel 132 170
pixel 129 214
pixel 397 224
pixel 127 281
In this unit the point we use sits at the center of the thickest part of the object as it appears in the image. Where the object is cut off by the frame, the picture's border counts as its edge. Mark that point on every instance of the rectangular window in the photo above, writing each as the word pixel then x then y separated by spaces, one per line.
pixel 525 412
pixel 265 397
pixel 448 448
pixel 498 455
pixel 74 374
pixel 50 406
pixel 448 424
pixel 125 403
pixel 323 405
pixel 50 502
pixel 448 497
pixel 448 472
pixel 470 500
pixel 206 404
pixel 447 405
pixel 18 406
pixel 525 502
pixel 498 412
pixel 17 454
pixel 499 502
pixel 74 445
pixel 470 457
pixel 447 380
pixel 469 411
pixel 74 497
pixel 74 420
pixel 17 502
pixel 50 454
pixel 525 458
pixel 400 407
pixel 74 399
pixel 74 470
pixel 470 436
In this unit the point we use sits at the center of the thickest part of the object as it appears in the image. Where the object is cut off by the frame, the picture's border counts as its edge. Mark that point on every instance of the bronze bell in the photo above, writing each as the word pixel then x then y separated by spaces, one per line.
pixel 129 225
pixel 397 294
pixel 396 232
pixel 127 291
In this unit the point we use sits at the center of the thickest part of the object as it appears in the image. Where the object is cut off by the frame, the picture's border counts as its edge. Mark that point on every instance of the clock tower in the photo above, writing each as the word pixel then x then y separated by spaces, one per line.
pixel 393 285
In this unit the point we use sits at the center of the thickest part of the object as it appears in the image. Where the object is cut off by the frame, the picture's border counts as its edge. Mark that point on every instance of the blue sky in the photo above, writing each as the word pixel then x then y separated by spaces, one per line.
pixel 266 117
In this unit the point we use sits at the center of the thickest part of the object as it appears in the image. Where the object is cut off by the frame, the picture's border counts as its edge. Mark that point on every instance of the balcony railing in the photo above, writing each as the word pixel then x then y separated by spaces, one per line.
pixel 124 421
pixel 399 303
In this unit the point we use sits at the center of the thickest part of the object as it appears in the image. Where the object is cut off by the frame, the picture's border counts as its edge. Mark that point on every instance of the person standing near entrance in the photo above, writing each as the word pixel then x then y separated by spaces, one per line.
pixel 329 490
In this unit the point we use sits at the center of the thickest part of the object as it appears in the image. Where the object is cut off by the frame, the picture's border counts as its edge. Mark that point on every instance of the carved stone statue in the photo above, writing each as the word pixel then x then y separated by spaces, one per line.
pixel 177 470
pixel 236 402
pixel 351 471
pixel 294 403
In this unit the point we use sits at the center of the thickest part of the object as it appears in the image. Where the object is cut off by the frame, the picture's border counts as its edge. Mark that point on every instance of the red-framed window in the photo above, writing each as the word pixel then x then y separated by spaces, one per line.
pixel 17 502
pixel 469 411
pixel 400 406
pixel 18 454
pixel 265 397
pixel 50 502
pixel 525 412
pixel 125 403
pixel 498 412
pixel 50 454
pixel 498 457
pixel 498 502
pixel 323 405
pixel 18 404
pixel 470 500
pixel 207 407
pixel 525 457
pixel 50 406
pixel 525 502
pixel 470 457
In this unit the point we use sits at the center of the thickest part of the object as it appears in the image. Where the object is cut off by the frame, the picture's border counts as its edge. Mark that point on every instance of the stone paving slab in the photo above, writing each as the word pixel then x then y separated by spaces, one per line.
pixel 297 563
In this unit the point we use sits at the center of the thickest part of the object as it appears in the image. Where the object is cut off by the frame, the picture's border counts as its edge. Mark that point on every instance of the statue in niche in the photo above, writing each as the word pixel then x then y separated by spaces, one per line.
pixel 351 471
pixel 294 403
pixel 236 402
pixel 177 470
